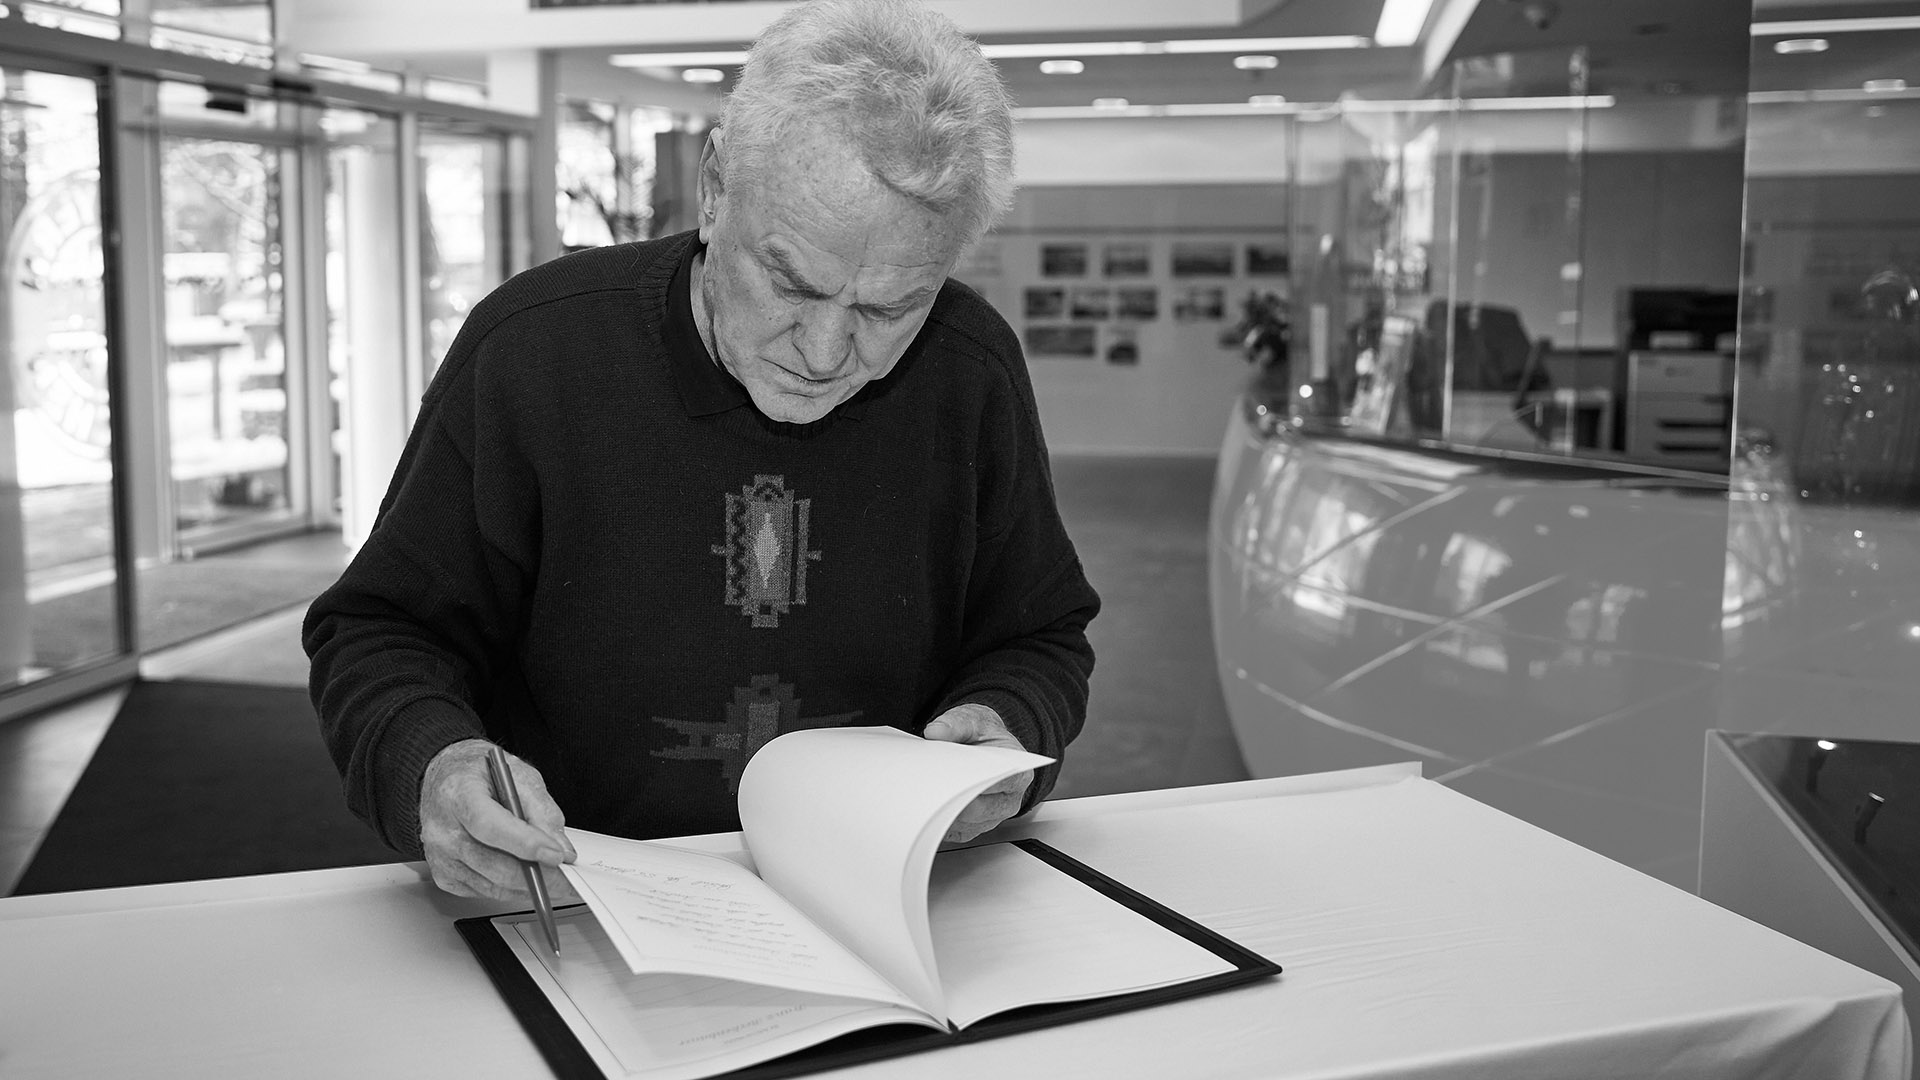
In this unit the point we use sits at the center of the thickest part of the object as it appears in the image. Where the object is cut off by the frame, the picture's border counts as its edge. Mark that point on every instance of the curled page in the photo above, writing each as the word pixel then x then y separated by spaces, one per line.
pixel 844 823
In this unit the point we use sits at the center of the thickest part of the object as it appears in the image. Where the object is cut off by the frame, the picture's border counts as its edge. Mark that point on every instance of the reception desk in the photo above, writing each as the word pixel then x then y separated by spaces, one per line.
pixel 1553 635
pixel 1424 935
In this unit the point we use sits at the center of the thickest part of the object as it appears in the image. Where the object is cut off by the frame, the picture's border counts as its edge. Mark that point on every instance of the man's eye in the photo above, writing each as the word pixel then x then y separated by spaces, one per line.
pixel 883 314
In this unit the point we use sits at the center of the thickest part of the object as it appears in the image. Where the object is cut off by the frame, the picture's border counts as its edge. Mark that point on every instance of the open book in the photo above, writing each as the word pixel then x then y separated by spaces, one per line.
pixel 838 919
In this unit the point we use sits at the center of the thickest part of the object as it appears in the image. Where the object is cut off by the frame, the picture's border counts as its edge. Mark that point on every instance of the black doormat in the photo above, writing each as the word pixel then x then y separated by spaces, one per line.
pixel 202 780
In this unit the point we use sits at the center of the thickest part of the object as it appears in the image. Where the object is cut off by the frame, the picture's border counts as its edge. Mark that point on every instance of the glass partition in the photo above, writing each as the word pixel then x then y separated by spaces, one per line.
pixel 58 584
pixel 1536 260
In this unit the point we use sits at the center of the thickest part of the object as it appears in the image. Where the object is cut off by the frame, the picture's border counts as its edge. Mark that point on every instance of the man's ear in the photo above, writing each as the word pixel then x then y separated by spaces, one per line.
pixel 711 184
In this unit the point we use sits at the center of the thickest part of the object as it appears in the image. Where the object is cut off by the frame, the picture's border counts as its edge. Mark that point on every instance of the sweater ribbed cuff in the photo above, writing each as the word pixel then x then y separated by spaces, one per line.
pixel 1021 724
pixel 417 731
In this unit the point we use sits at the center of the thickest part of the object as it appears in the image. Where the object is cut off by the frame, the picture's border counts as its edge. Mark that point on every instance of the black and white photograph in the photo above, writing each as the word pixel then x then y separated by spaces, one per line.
pixel 594 538
pixel 1202 258
pixel 1045 302
pixel 1091 302
pixel 1063 260
pixel 1140 303
pixel 1130 259
pixel 1268 260
pixel 1061 341
pixel 1200 303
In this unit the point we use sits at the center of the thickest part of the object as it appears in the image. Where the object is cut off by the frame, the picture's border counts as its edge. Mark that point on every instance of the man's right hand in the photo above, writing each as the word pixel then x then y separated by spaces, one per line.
pixel 473 843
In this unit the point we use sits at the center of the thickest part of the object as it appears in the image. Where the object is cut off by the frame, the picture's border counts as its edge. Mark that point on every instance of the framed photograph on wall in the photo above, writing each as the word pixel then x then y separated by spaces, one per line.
pixel 1066 342
pixel 1200 303
pixel 1063 260
pixel 1123 346
pixel 1205 258
pixel 1092 303
pixel 1046 303
pixel 1126 260
pixel 1268 260
pixel 1139 303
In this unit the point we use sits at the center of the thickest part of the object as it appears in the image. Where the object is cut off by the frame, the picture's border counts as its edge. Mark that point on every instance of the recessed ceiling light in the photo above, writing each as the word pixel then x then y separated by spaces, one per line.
pixel 1061 67
pixel 1110 103
pixel 703 75
pixel 1267 100
pixel 1039 50
pixel 1790 46
pixel 1884 86
pixel 1256 62
pixel 1401 21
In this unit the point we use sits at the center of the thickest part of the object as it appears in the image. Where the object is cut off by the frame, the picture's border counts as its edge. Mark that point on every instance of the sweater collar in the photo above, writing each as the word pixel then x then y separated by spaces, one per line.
pixel 706 388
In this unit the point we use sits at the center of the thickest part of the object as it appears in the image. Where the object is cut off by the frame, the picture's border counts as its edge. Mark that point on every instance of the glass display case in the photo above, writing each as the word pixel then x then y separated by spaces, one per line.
pixel 1858 802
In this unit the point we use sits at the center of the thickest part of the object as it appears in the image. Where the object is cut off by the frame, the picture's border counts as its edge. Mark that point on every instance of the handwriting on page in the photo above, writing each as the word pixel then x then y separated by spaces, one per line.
pixel 714 918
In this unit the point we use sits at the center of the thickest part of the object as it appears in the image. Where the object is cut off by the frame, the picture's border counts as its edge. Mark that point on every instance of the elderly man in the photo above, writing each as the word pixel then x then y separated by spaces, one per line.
pixel 667 500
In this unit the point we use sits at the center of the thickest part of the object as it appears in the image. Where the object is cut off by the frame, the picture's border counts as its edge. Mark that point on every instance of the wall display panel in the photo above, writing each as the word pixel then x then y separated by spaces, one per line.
pixel 1150 283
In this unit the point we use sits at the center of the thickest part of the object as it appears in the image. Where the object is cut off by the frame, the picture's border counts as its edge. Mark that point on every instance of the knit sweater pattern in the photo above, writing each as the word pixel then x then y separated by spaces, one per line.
pixel 596 552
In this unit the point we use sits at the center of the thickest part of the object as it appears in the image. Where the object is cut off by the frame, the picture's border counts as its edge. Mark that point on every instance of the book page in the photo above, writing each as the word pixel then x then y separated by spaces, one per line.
pixel 1010 930
pixel 844 823
pixel 674 1027
pixel 666 910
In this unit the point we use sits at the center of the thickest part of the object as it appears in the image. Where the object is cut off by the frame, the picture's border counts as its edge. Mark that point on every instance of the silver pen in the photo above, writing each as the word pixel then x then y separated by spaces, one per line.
pixel 509 795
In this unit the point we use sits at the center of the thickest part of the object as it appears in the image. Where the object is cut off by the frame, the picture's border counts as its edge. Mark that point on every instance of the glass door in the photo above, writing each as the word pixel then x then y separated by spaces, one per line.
pixel 59 585
pixel 230 434
pixel 467 225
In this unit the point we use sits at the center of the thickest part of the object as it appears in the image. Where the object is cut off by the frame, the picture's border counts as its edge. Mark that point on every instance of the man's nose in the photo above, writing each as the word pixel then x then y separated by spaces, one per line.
pixel 823 337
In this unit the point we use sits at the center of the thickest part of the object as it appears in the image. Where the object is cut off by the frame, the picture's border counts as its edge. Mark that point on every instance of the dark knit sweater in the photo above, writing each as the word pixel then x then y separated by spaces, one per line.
pixel 598 553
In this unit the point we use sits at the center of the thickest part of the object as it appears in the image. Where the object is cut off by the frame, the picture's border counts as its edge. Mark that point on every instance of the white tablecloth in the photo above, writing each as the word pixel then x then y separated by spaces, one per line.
pixel 1424 935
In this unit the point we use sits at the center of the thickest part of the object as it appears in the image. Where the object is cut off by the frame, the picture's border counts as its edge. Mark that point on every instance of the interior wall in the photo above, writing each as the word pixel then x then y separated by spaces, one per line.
pixel 1122 296
pixel 1137 187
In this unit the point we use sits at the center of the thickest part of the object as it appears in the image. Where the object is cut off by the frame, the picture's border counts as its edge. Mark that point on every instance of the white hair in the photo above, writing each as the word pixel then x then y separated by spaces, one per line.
pixel 926 112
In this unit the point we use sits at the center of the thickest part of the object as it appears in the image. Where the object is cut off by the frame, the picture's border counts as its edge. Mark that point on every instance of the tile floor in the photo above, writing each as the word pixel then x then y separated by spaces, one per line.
pixel 1156 718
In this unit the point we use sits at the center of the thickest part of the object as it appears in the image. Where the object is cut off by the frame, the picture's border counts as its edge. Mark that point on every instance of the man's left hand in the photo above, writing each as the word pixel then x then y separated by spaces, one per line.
pixel 979 725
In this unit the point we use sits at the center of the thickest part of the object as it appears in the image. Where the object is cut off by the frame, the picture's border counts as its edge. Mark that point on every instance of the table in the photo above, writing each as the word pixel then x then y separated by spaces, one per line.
pixel 1424 935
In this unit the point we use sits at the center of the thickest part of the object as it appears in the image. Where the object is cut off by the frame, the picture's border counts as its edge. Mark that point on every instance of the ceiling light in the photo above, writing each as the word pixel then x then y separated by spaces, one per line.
pixel 1401 22
pixel 1256 62
pixel 1792 46
pixel 1277 44
pixel 1266 105
pixel 1036 50
pixel 1061 67
pixel 1802 27
pixel 703 75
pixel 1029 50
pixel 711 58
pixel 1884 86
